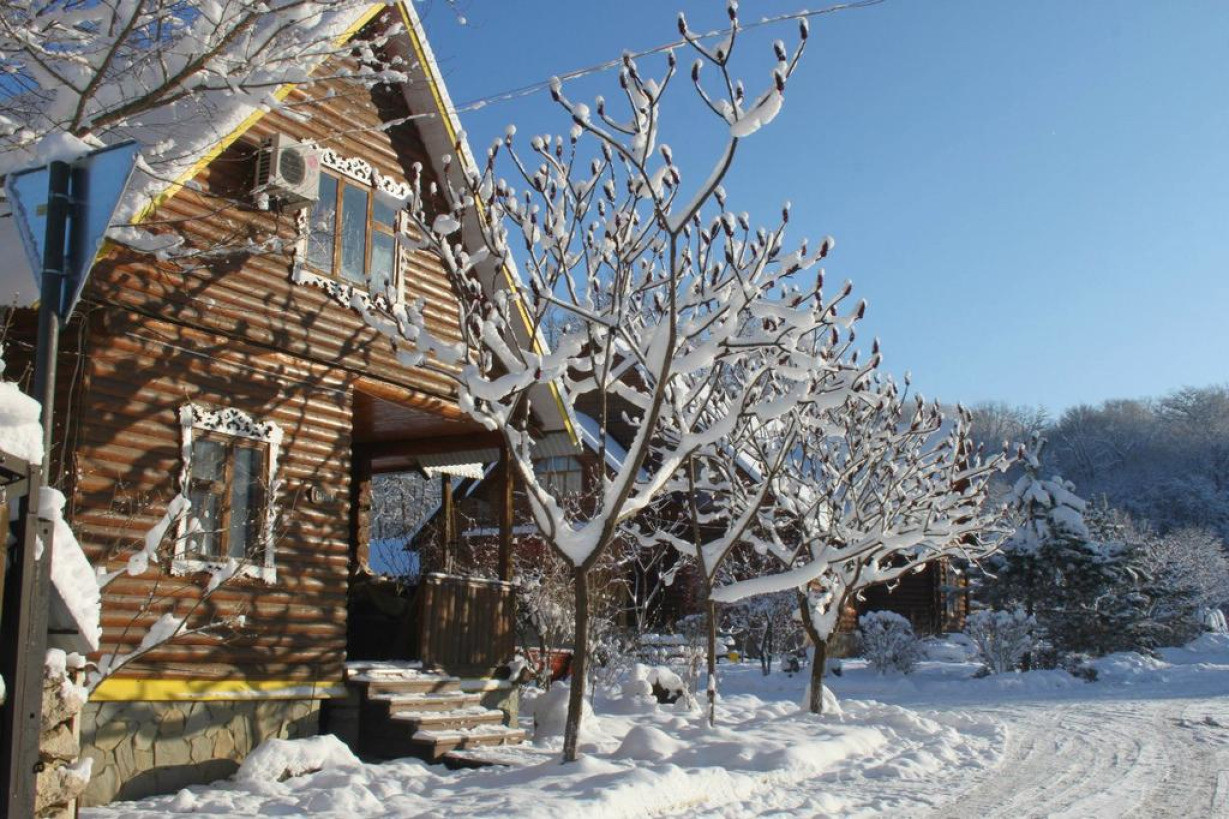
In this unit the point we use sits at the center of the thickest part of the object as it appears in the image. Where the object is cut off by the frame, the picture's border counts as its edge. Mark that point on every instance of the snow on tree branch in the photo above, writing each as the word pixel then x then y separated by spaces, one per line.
pixel 176 76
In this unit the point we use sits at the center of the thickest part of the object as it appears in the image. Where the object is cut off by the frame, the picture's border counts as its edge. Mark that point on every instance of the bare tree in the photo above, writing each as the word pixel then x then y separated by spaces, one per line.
pixel 106 71
pixel 671 301
pixel 871 493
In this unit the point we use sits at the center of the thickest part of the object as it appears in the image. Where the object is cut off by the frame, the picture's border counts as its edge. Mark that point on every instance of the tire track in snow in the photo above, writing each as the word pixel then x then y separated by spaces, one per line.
pixel 1144 758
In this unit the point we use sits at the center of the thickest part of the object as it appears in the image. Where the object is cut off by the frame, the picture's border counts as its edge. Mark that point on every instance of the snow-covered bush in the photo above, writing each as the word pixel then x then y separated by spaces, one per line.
pixel 1213 620
pixel 887 642
pixel 1003 638
pixel 549 711
pixel 659 682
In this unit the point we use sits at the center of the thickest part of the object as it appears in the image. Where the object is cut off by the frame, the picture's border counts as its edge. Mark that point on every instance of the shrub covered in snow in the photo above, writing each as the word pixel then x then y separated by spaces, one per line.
pixel 887 642
pixel 1002 638
pixel 658 682
pixel 550 711
pixel 1213 620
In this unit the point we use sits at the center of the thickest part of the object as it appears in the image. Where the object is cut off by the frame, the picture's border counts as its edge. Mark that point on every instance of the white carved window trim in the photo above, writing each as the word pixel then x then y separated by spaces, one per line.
pixel 360 172
pixel 390 314
pixel 235 423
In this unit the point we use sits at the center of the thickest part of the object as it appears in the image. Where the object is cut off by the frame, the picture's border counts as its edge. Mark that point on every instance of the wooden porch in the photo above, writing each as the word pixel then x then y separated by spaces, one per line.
pixel 448 619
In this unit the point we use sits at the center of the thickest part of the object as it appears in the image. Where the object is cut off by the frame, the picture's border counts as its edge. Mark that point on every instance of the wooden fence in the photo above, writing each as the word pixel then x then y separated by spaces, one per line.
pixel 467 626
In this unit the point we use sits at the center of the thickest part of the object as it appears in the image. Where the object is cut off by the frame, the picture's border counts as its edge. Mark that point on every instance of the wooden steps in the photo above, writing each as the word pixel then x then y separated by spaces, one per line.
pixel 406 711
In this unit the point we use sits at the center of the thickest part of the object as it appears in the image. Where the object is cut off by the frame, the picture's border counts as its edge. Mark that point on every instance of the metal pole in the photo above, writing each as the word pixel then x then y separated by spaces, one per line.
pixel 24 642
pixel 51 297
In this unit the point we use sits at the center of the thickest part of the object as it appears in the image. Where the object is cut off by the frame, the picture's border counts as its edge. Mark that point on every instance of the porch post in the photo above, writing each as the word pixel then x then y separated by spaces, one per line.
pixel 507 484
pixel 360 508
pixel 448 534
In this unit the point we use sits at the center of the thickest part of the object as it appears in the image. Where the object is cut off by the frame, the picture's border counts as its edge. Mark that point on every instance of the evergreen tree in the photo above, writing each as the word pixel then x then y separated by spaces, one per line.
pixel 1081 579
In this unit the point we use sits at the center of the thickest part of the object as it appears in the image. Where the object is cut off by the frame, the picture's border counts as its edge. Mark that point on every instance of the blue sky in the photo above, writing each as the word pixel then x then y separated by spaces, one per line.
pixel 1033 197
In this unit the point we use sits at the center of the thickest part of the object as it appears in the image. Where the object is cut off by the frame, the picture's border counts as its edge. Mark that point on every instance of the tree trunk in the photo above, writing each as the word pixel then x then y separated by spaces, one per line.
pixel 816 701
pixel 766 649
pixel 712 663
pixel 580 663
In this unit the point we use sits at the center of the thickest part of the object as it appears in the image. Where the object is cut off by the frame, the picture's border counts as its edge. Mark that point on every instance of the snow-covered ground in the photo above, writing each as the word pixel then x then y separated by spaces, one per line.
pixel 1150 738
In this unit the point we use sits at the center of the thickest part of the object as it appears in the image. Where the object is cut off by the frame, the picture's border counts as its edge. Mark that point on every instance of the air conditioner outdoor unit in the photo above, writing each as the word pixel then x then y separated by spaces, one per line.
pixel 288 172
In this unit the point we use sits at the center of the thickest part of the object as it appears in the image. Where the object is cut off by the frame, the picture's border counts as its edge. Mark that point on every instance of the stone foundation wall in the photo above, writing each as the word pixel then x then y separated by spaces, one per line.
pixel 145 748
pixel 63 776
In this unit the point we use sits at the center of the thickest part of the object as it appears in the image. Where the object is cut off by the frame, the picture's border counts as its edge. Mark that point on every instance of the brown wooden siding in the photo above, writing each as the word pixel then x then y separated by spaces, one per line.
pixel 922 598
pixel 468 626
pixel 140 371
pixel 249 296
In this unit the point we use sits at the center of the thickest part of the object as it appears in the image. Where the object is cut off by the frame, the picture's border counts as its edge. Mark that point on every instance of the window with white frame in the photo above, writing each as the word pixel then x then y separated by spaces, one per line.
pixel 352 235
pixel 229 476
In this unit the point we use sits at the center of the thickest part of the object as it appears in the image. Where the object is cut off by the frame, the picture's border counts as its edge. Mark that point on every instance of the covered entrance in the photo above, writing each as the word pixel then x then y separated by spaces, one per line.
pixel 442 604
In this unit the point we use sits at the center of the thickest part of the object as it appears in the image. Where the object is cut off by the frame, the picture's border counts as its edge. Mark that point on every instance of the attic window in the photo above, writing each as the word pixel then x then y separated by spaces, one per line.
pixel 352 235
pixel 561 476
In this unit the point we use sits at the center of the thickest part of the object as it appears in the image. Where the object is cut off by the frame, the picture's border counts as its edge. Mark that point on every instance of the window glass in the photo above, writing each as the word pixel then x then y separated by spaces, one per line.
pixel 244 502
pixel 227 490
pixel 561 475
pixel 382 214
pixel 322 226
pixel 208 460
pixel 383 247
pixel 205 509
pixel 354 234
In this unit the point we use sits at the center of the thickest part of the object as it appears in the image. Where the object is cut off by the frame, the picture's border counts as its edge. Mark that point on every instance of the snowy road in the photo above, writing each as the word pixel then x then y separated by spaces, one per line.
pixel 1123 757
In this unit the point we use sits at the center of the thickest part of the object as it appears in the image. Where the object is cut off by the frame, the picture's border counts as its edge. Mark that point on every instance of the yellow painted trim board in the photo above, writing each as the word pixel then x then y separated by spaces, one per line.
pixel 512 283
pixel 155 690
pixel 213 153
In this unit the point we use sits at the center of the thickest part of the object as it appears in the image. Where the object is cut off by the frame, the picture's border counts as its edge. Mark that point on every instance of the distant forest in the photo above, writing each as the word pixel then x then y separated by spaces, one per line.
pixel 1165 461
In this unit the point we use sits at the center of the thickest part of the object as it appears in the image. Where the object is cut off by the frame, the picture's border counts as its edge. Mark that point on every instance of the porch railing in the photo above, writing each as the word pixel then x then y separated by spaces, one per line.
pixel 467 625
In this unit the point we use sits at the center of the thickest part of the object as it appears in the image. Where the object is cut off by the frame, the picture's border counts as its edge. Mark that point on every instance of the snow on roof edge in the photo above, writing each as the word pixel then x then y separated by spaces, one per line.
pixel 459 142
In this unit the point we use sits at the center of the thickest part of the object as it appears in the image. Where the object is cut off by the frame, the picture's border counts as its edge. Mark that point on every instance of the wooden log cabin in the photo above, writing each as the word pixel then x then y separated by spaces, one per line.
pixel 240 376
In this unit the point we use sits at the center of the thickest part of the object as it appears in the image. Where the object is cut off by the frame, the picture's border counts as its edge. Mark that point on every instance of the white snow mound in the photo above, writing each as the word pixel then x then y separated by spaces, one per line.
pixel 279 759
pixel 71 572
pixel 648 744
pixel 21 435
pixel 830 703
pixel 550 713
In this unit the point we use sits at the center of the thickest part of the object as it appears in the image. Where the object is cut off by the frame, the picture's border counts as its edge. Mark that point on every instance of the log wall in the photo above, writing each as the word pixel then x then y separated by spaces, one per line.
pixel 139 373
pixel 229 328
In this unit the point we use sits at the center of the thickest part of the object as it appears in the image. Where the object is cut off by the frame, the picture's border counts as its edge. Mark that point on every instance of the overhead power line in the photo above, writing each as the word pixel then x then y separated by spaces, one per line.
pixel 597 68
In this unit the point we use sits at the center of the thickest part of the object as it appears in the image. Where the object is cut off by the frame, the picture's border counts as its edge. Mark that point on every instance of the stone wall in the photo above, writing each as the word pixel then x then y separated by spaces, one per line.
pixel 144 748
pixel 62 776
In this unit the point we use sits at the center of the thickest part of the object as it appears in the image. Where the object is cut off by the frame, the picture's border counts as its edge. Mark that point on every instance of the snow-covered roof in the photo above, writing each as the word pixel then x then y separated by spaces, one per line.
pixel 591 436
pixel 178 139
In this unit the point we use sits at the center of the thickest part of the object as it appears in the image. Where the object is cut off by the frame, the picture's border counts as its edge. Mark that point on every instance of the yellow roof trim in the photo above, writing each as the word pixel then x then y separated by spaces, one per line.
pixel 512 283
pixel 163 690
pixel 213 153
